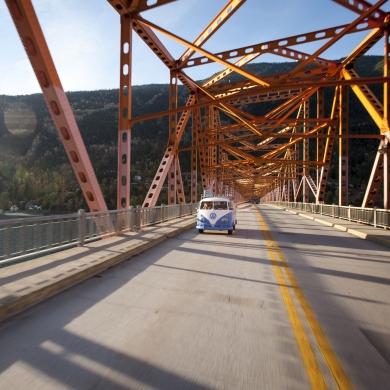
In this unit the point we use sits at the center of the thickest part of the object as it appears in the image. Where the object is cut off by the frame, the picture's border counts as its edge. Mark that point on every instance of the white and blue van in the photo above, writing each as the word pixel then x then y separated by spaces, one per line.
pixel 216 213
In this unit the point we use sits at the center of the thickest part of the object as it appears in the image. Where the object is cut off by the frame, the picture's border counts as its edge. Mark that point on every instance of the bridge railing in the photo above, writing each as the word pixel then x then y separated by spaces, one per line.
pixel 370 216
pixel 31 237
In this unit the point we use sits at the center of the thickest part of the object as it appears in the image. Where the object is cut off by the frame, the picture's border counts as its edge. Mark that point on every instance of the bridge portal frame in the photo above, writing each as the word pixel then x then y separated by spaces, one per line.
pixel 245 157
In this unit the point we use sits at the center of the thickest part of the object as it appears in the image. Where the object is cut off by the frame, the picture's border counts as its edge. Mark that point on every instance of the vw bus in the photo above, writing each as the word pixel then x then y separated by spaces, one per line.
pixel 216 213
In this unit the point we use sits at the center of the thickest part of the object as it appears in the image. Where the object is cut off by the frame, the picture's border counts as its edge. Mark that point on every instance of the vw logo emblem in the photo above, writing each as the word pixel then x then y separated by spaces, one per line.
pixel 213 215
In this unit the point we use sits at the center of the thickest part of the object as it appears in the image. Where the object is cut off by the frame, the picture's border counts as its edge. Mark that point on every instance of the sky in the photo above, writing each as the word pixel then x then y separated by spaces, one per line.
pixel 83 38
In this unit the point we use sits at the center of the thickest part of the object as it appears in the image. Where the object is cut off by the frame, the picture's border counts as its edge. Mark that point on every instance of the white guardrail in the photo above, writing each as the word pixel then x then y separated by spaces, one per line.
pixel 31 237
pixel 369 216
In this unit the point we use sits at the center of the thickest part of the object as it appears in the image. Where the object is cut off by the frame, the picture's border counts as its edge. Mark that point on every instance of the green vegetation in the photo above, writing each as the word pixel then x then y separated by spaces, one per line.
pixel 34 168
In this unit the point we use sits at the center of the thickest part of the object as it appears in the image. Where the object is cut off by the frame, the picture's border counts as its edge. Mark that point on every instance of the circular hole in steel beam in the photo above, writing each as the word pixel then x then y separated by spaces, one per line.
pixel 30 47
pixel 65 134
pixel 15 11
pixel 82 177
pixel 54 107
pixel 42 79
pixel 90 196
pixel 73 156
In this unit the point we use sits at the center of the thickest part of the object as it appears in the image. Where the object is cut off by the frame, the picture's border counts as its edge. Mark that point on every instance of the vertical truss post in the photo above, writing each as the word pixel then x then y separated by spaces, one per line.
pixel 214 116
pixel 297 156
pixel 173 98
pixel 209 150
pixel 343 146
pixel 179 183
pixel 202 153
pixel 205 153
pixel 328 150
pixel 196 126
pixel 306 150
pixel 221 161
pixel 31 35
pixel 320 141
pixel 172 182
pixel 124 133
pixel 386 189
pixel 386 167
pixel 173 101
pixel 288 190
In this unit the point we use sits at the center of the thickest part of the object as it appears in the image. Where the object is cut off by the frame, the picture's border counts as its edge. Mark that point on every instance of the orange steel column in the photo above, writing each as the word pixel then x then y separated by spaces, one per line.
pixel 320 141
pixel 173 91
pixel 196 125
pixel 327 156
pixel 343 146
pixel 306 157
pixel 179 183
pixel 172 182
pixel 124 134
pixel 202 151
pixel 386 189
pixel 27 24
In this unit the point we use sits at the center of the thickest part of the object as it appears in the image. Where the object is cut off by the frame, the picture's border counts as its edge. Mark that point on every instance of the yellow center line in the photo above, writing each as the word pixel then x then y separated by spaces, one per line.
pixel 329 355
pixel 311 365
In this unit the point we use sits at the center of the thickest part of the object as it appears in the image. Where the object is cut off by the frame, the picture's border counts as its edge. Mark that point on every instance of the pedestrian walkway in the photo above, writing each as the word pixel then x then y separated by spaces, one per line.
pixel 366 232
pixel 25 284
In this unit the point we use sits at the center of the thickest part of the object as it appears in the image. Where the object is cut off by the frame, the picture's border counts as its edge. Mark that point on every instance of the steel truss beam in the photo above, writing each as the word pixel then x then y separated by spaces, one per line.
pixel 238 153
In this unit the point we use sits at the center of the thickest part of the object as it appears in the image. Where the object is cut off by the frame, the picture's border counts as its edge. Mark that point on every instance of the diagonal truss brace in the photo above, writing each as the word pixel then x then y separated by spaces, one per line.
pixel 27 24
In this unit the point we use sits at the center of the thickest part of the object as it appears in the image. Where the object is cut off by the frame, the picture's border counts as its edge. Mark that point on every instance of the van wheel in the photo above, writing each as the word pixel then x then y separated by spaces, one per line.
pixel 230 232
pixel 200 230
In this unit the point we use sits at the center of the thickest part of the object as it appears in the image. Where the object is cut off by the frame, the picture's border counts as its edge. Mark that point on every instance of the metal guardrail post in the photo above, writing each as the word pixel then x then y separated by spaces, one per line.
pixel 179 210
pixel 349 213
pixel 374 210
pixel 81 224
pixel 131 218
pixel 7 242
pixel 333 210
pixel 162 212
pixel 138 217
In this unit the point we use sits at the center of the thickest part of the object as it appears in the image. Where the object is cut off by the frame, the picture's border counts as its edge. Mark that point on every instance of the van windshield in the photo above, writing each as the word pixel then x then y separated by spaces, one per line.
pixel 218 205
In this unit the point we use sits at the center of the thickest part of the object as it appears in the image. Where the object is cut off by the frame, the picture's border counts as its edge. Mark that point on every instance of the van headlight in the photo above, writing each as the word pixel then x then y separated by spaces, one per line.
pixel 201 219
pixel 224 220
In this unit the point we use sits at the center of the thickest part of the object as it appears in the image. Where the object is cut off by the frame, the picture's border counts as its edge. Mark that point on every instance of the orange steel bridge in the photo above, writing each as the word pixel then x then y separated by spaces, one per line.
pixel 267 156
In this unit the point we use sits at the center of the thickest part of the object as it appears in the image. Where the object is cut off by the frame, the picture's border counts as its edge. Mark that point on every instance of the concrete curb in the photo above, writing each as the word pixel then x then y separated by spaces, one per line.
pixel 365 236
pixel 16 304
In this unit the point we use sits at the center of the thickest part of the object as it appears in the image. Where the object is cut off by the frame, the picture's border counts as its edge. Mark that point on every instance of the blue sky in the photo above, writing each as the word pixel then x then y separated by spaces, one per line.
pixel 83 37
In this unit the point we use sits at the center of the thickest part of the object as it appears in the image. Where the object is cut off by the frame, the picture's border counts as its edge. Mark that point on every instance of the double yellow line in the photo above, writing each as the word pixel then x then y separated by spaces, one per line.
pixel 312 367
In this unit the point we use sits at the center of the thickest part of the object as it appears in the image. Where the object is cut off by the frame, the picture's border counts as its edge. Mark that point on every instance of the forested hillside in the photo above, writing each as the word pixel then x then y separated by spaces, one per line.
pixel 34 168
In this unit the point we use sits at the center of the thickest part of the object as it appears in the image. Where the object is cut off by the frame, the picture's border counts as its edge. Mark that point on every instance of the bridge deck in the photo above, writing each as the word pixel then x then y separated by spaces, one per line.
pixel 209 311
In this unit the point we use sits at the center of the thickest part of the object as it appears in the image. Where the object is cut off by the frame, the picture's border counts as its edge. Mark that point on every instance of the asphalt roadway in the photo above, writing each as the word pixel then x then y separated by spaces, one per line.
pixel 283 303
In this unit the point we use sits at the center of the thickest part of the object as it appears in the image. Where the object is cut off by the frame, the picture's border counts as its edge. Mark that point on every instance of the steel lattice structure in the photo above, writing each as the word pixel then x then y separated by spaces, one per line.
pixel 268 155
